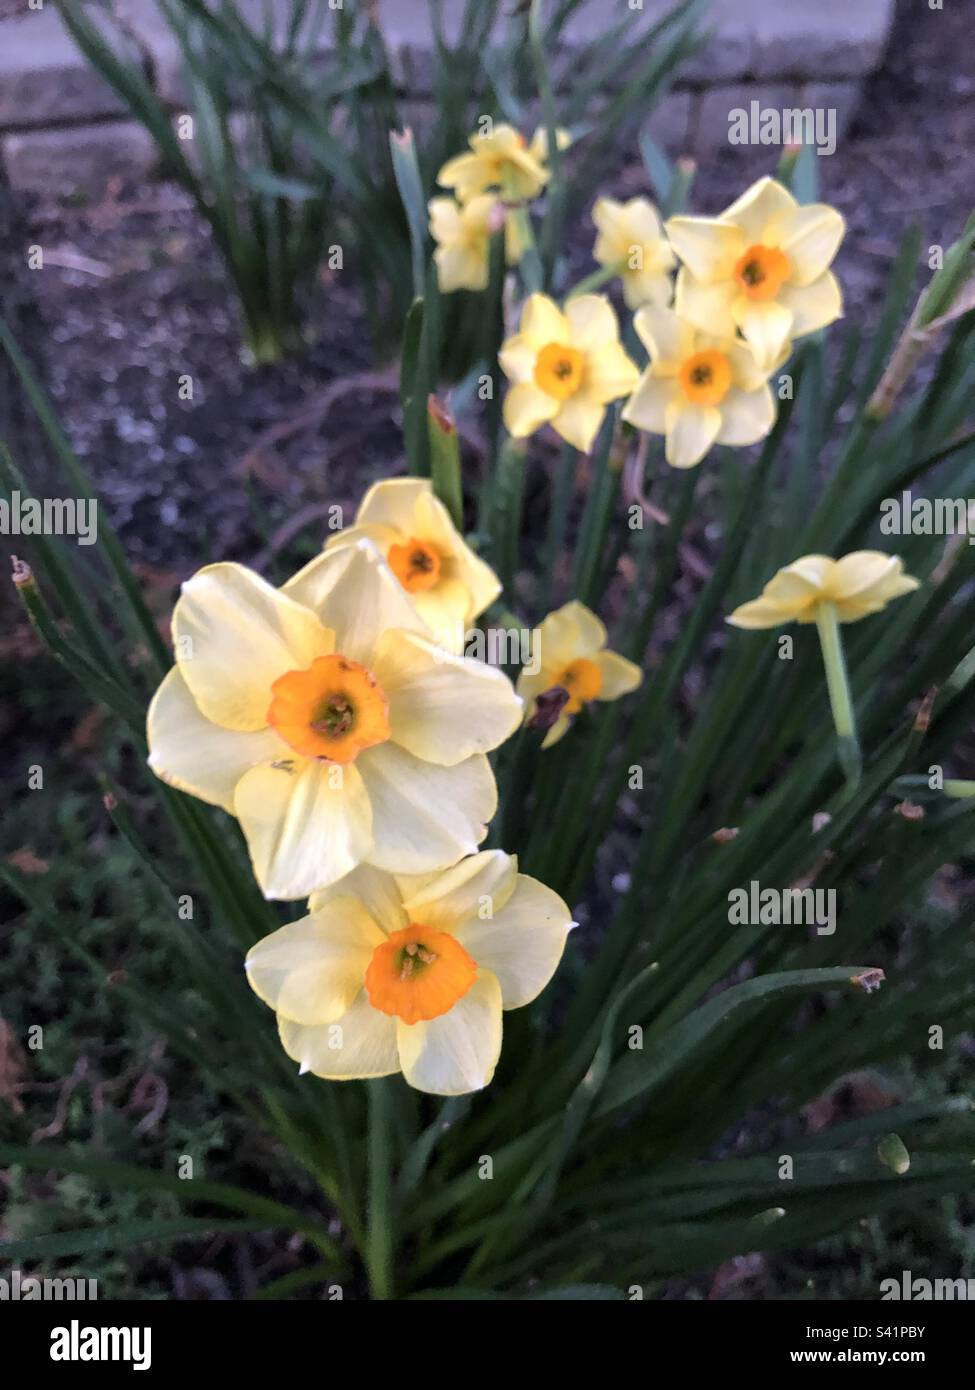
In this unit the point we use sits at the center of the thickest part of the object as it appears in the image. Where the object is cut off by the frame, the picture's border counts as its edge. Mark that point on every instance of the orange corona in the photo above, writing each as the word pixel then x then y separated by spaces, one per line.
pixel 419 974
pixel 332 710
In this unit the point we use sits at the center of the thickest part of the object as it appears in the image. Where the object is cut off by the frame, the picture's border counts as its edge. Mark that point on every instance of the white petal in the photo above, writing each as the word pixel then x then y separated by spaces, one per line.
pixel 523 943
pixel 425 816
pixel 196 756
pixel 762 212
pixel 305 827
pixel 359 1045
pixel 813 306
pixel 457 1052
pixel 443 708
pixel 311 970
pixel 592 320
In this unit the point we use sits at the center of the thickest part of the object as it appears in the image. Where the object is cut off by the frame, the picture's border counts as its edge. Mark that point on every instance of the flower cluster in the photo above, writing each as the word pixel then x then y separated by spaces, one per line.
pixel 338 721
pixel 748 283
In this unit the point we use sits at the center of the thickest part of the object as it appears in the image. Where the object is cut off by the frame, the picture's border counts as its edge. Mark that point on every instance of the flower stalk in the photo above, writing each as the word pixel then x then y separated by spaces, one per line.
pixel 840 699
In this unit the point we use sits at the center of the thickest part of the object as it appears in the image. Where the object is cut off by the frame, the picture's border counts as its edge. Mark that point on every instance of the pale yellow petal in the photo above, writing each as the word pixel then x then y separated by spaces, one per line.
pixel 760 613
pixel 746 416
pixel 377 891
pixel 305 827
pixel 708 247
pixel 811 239
pixel 526 408
pixel 592 322
pixel 357 595
pixel 707 307
pixel 542 322
pixel 191 753
pixel 569 632
pixel 310 971
pixel 359 1045
pixel 667 338
pixel 619 675
pixel 767 325
pixel 234 635
pixel 457 1052
pixel 474 888
pixel 522 943
pixel 394 502
pixel 610 374
pixel 578 421
pixel 813 306
pixel 691 431
pixel 647 407
pixel 443 708
pixel 425 816
pixel 558 730
pixel 762 212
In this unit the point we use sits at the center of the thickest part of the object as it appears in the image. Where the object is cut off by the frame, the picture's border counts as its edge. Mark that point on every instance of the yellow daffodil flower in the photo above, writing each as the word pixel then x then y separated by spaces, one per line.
pixel 566 367
pixel 448 585
pixel 698 390
pixel 538 145
pixel 631 243
pixel 570 648
pixel 859 584
pixel 463 234
pixel 762 266
pixel 498 162
pixel 325 718
pixel 390 974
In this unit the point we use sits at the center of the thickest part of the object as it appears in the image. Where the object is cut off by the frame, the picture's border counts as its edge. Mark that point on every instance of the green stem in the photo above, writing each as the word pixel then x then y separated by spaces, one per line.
pixel 841 703
pixel 595 280
pixel 379 1234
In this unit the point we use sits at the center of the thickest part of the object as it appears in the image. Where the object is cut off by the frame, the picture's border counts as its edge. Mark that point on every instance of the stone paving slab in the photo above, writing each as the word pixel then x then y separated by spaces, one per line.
pixel 776 51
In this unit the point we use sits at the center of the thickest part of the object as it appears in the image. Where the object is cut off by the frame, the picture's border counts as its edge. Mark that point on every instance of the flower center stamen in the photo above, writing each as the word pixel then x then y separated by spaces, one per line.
pixel 333 710
pixel 415 564
pixel 705 377
pixel 583 680
pixel 761 271
pixel 558 370
pixel 418 973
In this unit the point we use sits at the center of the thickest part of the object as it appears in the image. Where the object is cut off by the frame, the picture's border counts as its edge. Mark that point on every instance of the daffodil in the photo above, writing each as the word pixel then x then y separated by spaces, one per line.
pixel 631 243
pixel 499 161
pixel 538 145
pixel 447 583
pixel 816 589
pixel 570 651
pixel 463 234
pixel 698 390
pixel 762 267
pixel 326 719
pixel 566 367
pixel 390 974
pixel 859 584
